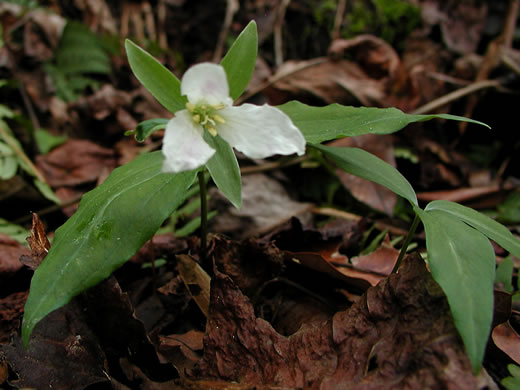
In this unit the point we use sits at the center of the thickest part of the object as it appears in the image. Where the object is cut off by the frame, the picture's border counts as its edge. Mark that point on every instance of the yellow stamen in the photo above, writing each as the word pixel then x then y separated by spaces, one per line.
pixel 190 106
pixel 212 130
pixel 219 119
pixel 196 118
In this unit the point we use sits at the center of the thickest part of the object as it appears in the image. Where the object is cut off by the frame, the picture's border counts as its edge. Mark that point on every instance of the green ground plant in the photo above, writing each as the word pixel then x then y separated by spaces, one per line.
pixel 118 217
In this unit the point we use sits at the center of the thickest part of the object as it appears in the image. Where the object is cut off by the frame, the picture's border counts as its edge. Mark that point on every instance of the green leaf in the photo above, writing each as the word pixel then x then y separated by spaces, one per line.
pixel 504 274
pixel 8 162
pixel 512 382
pixel 47 141
pixel 46 191
pixel 112 223
pixel 462 261
pixel 192 225
pixel 147 127
pixel 492 229
pixel 158 80
pixel 239 62
pixel 363 164
pixel 223 168
pixel 16 232
pixel 319 124
pixel 509 210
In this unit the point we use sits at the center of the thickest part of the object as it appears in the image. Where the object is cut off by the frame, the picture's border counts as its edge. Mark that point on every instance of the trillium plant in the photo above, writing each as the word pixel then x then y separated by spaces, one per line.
pixel 118 217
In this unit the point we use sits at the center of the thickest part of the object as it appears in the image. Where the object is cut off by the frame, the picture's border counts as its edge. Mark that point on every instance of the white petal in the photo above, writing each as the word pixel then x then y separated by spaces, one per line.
pixel 206 83
pixel 260 131
pixel 183 145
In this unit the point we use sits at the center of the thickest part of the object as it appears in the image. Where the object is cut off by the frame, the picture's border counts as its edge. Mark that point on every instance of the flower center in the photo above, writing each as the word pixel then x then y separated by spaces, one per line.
pixel 206 115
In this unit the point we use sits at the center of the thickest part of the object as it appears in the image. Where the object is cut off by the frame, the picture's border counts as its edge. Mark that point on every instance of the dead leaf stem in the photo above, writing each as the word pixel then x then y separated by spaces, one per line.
pixel 279 76
pixel 338 20
pixel 232 7
pixel 457 94
pixel 278 46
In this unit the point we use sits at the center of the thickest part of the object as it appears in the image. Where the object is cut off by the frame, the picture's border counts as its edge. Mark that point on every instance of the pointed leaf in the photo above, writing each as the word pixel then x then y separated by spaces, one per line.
pixel 112 223
pixel 487 226
pixel 147 127
pixel 223 168
pixel 158 80
pixel 319 124
pixel 239 62
pixel 462 261
pixel 363 164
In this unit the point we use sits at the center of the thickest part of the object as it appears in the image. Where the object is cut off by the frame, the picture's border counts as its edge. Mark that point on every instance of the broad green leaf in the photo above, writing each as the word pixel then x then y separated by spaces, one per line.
pixel 462 261
pixel 113 221
pixel 239 62
pixel 47 141
pixel 158 80
pixel 319 124
pixel 363 164
pixel 490 228
pixel 147 127
pixel 224 170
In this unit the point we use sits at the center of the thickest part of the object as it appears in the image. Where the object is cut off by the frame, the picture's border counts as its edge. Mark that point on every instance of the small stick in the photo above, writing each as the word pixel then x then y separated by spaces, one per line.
pixel 278 45
pixel 231 9
pixel 455 95
pixel 338 21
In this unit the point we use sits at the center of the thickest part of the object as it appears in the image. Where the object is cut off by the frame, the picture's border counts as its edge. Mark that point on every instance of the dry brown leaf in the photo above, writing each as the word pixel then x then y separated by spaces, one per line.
pixel 11 314
pixel 266 205
pixel 462 22
pixel 508 340
pixel 75 162
pixel 399 335
pixel 38 242
pixel 374 195
pixel 10 252
pixel 380 261
pixel 196 281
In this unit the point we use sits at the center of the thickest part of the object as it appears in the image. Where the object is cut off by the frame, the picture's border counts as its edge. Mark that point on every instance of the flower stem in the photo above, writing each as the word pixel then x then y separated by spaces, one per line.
pixel 409 237
pixel 203 214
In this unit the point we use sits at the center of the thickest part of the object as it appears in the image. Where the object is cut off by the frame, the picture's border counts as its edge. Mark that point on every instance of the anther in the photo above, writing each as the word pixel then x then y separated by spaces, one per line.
pixel 196 118
pixel 190 106
pixel 219 119
pixel 212 130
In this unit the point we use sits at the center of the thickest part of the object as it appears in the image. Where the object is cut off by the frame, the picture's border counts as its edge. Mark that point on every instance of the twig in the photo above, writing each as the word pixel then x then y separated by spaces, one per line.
pixel 381 226
pixel 271 166
pixel 278 39
pixel 161 23
pixel 231 9
pixel 50 209
pixel 279 76
pixel 29 107
pixel 338 20
pixel 493 56
pixel 455 95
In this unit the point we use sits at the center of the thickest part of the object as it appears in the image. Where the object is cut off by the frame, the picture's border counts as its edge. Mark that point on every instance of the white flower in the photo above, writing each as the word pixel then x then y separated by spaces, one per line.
pixel 256 131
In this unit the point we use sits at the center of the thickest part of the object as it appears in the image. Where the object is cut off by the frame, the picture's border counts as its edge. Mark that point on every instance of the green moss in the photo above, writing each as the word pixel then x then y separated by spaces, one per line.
pixel 391 20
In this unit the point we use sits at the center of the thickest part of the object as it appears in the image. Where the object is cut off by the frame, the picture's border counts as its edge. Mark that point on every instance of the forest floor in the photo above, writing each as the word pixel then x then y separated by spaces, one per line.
pixel 296 288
